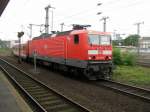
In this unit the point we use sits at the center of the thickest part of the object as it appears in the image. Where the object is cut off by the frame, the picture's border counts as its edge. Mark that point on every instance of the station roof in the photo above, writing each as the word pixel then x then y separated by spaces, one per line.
pixel 3 4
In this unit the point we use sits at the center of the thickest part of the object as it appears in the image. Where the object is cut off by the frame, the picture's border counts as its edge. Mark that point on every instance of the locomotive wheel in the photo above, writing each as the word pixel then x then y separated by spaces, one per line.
pixel 106 74
pixel 89 73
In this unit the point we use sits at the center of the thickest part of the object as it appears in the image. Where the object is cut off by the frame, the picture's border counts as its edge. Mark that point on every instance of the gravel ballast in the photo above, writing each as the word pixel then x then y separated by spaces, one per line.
pixel 92 97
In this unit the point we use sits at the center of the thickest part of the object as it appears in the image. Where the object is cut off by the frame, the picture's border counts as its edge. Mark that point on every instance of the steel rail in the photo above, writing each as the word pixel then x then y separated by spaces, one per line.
pixel 143 63
pixel 43 98
pixel 133 91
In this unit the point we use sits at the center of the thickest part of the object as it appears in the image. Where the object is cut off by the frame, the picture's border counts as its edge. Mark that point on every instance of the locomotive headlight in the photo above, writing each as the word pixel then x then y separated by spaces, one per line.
pixel 90 58
pixel 107 52
pixel 92 51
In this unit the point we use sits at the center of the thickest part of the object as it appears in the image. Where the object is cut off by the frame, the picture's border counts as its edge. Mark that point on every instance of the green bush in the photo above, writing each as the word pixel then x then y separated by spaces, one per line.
pixel 117 56
pixel 129 59
pixel 125 58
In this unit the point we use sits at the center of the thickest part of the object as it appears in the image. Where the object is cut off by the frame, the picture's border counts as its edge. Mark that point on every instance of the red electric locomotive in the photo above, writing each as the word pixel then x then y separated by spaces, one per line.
pixel 78 50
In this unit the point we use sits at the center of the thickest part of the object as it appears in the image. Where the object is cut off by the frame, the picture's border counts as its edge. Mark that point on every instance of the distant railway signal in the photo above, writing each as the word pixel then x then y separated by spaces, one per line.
pixel 20 34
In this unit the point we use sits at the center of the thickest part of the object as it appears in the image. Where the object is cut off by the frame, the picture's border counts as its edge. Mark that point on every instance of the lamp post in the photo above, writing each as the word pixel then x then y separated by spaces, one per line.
pixel 20 34
pixel 62 24
pixel 99 13
pixel 99 4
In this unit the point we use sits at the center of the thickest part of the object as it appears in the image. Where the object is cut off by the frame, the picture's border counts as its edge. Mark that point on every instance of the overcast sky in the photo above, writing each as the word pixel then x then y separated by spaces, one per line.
pixel 123 14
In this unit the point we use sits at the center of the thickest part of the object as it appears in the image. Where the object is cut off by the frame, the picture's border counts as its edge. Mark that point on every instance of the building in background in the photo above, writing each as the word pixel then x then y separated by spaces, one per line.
pixel 11 43
pixel 7 44
pixel 144 42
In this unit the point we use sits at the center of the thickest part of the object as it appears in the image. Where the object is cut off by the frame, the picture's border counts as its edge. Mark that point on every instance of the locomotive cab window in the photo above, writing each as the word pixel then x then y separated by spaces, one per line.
pixel 95 39
pixel 76 39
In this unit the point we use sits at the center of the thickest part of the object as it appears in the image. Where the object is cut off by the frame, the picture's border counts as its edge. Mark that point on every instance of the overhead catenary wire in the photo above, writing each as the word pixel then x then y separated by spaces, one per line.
pixel 108 7
pixel 104 8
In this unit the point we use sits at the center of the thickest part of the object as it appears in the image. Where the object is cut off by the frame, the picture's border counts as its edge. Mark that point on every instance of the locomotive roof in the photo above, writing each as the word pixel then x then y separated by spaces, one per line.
pixel 50 35
pixel 44 35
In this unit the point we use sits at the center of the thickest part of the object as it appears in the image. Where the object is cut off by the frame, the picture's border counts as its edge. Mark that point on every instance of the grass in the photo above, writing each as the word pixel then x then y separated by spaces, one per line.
pixel 5 51
pixel 134 75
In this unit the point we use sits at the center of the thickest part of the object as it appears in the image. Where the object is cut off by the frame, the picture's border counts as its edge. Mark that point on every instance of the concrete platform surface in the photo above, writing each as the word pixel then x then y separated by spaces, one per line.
pixel 10 100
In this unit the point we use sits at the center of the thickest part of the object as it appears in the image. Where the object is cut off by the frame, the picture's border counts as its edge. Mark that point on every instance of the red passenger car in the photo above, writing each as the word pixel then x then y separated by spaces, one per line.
pixel 80 50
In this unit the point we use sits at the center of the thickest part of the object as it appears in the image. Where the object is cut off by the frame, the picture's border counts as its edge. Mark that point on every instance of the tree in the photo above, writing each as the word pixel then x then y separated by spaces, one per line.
pixel 131 40
pixel 2 44
pixel 118 42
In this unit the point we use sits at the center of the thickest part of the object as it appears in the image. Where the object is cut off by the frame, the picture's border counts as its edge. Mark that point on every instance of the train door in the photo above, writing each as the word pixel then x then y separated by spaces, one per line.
pixel 73 42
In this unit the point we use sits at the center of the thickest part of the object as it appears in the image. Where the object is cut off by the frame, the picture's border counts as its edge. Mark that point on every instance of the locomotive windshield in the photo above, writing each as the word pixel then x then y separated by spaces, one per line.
pixel 95 39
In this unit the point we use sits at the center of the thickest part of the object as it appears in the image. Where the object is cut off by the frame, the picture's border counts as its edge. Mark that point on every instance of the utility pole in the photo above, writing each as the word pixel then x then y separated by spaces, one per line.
pixel 138 27
pixel 47 19
pixel 62 26
pixel 138 33
pixel 104 23
pixel 114 35
pixel 30 27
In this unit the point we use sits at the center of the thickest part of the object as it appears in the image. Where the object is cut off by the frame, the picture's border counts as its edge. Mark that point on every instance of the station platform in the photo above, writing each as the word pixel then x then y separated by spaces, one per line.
pixel 10 100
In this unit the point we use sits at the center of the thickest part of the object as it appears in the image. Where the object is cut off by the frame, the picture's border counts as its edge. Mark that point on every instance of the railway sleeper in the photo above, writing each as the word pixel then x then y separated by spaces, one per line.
pixel 30 87
pixel 20 76
pixel 35 89
pixel 26 82
pixel 52 98
pixel 69 110
pixel 52 103
pixel 49 99
pixel 57 108
pixel 43 95
pixel 38 92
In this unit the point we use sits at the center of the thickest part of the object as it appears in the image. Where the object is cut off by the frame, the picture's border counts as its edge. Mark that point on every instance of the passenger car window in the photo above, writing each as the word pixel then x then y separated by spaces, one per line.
pixel 76 39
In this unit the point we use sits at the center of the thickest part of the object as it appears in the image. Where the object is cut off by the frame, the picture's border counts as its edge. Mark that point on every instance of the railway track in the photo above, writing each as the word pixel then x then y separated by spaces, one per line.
pixel 40 97
pixel 143 63
pixel 133 91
